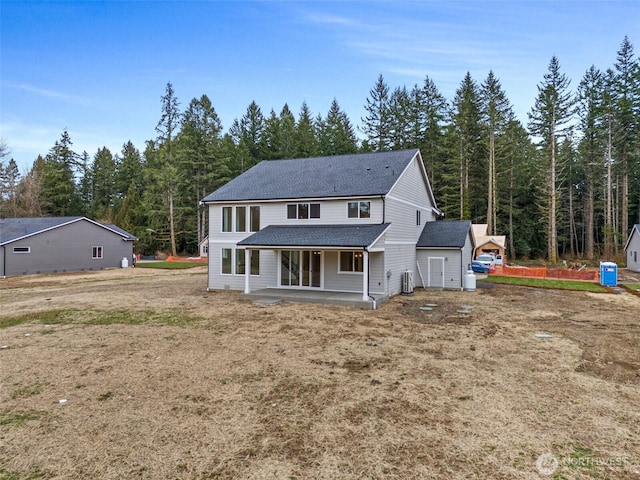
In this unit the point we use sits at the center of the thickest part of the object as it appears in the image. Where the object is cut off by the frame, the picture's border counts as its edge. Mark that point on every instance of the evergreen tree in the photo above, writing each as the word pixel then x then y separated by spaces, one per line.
pixel 129 171
pixel 592 148
pixel 247 134
pixel 59 187
pixel 85 184
pixel 549 119
pixel 467 156
pixel 497 113
pixel 202 163
pixel 517 193
pixel 434 109
pixel 337 135
pixel 401 109
pixel 306 137
pixel 9 181
pixel 287 146
pixel 627 95
pixel 103 173
pixel 376 125
pixel 163 172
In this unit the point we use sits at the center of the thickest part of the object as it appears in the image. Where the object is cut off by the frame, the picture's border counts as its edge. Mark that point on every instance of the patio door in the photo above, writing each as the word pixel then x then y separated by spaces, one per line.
pixel 301 268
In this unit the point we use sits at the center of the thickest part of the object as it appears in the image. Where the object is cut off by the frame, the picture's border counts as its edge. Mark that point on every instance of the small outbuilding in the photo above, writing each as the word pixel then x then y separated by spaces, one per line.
pixel 632 248
pixel 61 244
pixel 444 253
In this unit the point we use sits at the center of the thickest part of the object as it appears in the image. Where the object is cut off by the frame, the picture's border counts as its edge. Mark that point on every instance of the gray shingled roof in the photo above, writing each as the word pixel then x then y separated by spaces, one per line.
pixel 444 234
pixel 13 228
pixel 316 236
pixel 320 177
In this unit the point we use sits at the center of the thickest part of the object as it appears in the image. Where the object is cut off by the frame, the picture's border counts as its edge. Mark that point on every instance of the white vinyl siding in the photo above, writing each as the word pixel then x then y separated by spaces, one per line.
pixel 633 248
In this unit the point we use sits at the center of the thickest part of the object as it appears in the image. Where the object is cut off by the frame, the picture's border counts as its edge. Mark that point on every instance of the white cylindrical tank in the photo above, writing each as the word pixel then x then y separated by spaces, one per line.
pixel 124 263
pixel 470 281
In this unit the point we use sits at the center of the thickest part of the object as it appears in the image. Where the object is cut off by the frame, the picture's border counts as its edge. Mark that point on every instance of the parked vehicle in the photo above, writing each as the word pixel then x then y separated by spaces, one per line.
pixel 500 260
pixel 479 267
pixel 486 259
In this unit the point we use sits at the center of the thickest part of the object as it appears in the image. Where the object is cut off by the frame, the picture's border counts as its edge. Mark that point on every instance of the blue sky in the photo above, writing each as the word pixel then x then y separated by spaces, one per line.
pixel 99 68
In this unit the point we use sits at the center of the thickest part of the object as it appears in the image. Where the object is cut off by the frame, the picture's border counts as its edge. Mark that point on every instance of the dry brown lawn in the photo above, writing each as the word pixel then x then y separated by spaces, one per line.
pixel 163 380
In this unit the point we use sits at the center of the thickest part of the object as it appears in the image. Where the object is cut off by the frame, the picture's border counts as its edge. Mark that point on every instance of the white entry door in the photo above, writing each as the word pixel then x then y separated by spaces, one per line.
pixel 436 272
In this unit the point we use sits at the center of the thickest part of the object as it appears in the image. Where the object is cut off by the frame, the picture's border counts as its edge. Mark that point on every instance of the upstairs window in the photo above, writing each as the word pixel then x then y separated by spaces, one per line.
pixel 417 217
pixel 359 210
pixel 303 211
pixel 21 249
pixel 254 219
pixel 241 219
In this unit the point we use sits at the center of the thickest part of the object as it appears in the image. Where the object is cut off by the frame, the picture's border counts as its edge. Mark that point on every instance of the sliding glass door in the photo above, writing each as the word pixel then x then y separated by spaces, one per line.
pixel 301 268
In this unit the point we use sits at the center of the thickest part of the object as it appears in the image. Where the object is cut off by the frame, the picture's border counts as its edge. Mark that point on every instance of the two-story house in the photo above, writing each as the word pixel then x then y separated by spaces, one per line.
pixel 348 223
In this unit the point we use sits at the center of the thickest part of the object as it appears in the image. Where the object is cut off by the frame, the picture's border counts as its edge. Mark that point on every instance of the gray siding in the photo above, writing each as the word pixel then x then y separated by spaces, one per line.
pixel 452 276
pixel 633 252
pixel 456 264
pixel 67 248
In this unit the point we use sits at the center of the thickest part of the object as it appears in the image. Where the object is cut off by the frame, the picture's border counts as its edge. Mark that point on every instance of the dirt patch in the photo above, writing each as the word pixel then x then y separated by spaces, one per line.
pixel 165 380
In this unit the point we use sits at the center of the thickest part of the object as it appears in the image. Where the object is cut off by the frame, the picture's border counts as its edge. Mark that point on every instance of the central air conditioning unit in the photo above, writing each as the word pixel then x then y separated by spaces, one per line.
pixel 407 283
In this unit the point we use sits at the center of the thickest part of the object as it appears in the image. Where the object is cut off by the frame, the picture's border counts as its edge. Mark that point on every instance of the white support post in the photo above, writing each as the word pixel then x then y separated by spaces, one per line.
pixel 365 276
pixel 247 270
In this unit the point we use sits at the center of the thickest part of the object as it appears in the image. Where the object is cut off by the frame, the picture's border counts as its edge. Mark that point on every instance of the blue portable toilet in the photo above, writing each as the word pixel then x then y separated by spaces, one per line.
pixel 608 274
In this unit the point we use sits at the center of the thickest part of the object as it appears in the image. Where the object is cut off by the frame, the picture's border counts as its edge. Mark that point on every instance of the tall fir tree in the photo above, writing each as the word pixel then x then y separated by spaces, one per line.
pixel 496 113
pixel 376 124
pixel 467 154
pixel 306 134
pixel 592 148
pixel 337 135
pixel 59 186
pixel 549 120
pixel 626 126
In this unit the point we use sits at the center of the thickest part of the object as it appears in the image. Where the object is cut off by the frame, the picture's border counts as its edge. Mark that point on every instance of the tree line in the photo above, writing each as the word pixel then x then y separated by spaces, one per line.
pixel 565 184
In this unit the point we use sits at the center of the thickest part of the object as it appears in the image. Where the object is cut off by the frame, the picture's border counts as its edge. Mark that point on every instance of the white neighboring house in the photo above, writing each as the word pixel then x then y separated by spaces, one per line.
pixel 347 223
pixel 632 247
pixel 203 247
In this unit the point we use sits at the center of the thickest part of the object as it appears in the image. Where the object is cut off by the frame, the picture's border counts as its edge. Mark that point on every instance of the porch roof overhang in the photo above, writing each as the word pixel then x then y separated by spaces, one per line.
pixel 316 236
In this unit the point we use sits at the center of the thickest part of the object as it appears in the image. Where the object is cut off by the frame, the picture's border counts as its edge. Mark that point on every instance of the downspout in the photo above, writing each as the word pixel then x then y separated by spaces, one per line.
pixel 4 261
pixel 369 274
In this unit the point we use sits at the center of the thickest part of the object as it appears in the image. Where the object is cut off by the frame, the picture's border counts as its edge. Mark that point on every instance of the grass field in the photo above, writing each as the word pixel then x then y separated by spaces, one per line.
pixel 168 265
pixel 548 283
